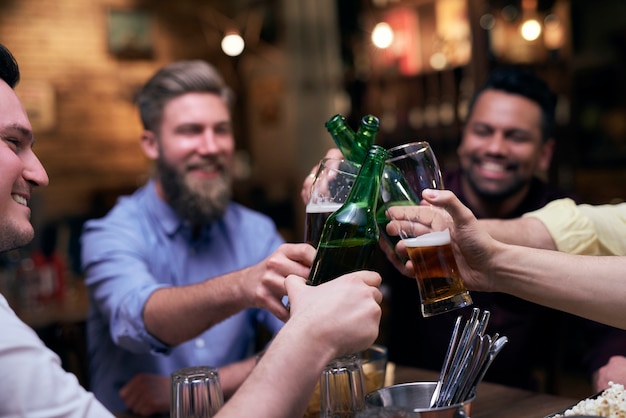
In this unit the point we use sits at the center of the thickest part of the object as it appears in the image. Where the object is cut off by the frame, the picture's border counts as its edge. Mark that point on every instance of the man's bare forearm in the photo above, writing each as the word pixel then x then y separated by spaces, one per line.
pixel 177 314
pixel 588 286
pixel 528 232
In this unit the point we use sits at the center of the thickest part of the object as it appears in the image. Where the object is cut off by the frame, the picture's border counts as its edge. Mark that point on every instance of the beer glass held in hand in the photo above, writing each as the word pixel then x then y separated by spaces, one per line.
pixel 440 286
pixel 330 188
pixel 409 169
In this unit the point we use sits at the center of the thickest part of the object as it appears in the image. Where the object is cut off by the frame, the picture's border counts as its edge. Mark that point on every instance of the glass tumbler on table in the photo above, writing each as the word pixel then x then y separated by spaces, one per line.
pixel 196 392
pixel 342 388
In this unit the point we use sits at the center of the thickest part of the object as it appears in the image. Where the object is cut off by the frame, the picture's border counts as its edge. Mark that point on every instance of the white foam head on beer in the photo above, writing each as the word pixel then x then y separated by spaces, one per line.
pixel 429 240
pixel 322 207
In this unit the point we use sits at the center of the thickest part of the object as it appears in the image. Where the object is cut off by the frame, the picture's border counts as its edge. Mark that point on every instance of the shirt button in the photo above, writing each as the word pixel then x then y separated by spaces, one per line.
pixel 199 343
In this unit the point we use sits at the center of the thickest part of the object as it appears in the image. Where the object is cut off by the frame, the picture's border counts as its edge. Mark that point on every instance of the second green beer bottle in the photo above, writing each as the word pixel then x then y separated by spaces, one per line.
pixel 350 234
pixel 353 146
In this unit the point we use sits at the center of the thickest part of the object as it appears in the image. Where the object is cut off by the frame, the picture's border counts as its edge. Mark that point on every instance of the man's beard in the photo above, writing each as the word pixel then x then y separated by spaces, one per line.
pixel 197 202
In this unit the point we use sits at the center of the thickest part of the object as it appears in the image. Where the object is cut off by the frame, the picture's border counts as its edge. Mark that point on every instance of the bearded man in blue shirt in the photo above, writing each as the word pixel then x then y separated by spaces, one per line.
pixel 178 274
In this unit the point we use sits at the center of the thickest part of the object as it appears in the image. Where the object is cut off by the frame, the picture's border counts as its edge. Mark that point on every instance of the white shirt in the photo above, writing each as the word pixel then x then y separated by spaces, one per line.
pixel 32 382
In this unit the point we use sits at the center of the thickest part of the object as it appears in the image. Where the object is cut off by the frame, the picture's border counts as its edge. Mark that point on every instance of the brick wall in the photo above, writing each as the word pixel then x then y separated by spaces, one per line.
pixel 88 139
pixel 91 145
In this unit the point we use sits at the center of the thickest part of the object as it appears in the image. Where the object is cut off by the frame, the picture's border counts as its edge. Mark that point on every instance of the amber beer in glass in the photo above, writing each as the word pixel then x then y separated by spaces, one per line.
pixel 440 285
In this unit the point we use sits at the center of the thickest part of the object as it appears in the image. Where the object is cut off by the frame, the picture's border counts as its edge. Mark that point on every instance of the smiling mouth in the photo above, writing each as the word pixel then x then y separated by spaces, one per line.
pixel 20 199
pixel 499 168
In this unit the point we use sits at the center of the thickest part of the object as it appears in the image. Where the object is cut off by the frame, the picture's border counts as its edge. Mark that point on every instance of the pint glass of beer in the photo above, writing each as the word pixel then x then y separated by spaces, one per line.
pixel 440 286
pixel 329 191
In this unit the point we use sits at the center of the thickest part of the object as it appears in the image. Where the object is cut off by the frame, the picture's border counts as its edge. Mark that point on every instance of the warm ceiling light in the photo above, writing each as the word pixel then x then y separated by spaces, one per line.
pixel 382 35
pixel 553 35
pixel 487 21
pixel 438 61
pixel 530 30
pixel 233 44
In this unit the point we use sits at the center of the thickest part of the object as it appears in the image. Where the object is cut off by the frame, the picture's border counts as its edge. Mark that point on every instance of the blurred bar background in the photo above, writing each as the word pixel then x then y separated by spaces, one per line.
pixel 413 63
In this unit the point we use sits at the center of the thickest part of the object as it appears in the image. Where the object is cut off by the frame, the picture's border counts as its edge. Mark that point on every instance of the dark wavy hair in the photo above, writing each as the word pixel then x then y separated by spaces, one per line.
pixel 522 81
pixel 9 70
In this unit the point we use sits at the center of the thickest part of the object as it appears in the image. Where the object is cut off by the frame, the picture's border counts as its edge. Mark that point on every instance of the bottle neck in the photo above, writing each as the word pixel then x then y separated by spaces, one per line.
pixel 366 186
pixel 366 135
pixel 353 146
pixel 344 137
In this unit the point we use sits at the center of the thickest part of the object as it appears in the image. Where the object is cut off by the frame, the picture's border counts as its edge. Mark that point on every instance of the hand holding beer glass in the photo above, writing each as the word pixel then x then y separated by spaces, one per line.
pixel 439 282
pixel 330 188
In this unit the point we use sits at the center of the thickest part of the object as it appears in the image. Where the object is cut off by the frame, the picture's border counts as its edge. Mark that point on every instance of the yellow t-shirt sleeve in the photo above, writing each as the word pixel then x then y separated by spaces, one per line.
pixel 585 229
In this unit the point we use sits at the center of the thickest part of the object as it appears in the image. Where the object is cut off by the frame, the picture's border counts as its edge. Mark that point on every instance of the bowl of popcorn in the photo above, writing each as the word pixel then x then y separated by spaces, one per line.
pixel 611 402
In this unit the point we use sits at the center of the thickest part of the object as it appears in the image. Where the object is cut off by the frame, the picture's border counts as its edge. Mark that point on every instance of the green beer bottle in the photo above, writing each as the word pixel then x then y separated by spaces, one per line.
pixel 350 234
pixel 353 146
pixel 393 184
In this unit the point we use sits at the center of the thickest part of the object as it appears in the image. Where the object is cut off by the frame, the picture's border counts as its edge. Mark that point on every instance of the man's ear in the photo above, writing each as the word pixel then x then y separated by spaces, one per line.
pixel 149 144
pixel 545 158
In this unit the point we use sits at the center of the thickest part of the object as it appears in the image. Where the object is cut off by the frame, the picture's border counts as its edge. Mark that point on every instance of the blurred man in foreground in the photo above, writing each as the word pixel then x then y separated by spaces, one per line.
pixel 33 381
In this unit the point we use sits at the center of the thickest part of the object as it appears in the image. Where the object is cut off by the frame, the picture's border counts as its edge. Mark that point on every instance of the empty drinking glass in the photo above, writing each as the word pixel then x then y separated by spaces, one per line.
pixel 342 388
pixel 196 392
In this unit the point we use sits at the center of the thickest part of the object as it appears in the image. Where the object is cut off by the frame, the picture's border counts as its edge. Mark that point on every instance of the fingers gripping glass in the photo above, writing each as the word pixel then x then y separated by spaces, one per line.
pixel 428 243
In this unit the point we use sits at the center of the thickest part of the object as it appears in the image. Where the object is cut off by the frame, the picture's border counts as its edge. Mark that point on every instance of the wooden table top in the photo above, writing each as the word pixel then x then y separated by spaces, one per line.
pixel 492 400
pixel 497 401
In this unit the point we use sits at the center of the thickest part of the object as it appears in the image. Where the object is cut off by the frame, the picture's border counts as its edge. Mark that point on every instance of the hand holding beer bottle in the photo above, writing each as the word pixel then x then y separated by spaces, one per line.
pixel 350 234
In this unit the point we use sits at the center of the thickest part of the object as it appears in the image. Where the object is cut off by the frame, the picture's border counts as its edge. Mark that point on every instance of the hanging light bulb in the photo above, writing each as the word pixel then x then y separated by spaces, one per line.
pixel 382 35
pixel 530 30
pixel 233 44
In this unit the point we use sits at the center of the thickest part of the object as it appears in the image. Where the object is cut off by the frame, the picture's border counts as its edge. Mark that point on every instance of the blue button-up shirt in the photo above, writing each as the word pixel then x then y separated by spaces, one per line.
pixel 141 245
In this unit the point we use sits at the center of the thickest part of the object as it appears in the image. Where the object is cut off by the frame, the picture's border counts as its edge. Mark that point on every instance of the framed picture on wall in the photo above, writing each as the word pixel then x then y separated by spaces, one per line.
pixel 130 34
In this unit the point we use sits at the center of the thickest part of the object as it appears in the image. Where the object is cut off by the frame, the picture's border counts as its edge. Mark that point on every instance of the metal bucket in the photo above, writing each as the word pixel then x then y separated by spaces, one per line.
pixel 411 400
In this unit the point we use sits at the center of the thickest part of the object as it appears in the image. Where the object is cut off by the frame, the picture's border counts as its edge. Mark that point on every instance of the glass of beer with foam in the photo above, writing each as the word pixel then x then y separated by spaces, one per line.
pixel 330 188
pixel 440 286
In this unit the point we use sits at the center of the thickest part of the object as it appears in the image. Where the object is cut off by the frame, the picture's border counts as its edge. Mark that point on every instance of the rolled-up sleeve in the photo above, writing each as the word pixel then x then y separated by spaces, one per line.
pixel 585 229
pixel 120 283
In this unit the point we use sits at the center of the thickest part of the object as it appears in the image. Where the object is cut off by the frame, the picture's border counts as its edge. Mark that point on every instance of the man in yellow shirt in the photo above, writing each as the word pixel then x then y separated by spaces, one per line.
pixel 561 281
pixel 565 226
